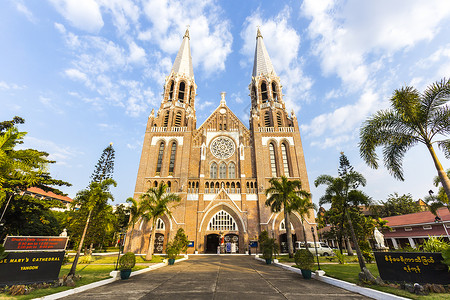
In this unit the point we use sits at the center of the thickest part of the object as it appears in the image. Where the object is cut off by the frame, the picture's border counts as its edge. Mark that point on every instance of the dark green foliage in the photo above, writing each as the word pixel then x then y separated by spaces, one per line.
pixel 105 166
pixel 304 259
pixel 446 255
pixel 127 261
pixel 172 250
pixel 366 251
pixel 268 245
pixel 181 241
pixel 396 205
pixel 434 244
pixel 3 254
pixel 5 125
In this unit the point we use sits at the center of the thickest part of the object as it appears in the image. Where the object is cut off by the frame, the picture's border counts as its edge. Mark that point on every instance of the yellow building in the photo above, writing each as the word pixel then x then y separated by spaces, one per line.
pixel 221 168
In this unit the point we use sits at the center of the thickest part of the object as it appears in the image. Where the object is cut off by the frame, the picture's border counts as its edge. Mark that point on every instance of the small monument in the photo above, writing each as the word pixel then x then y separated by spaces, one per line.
pixel 379 238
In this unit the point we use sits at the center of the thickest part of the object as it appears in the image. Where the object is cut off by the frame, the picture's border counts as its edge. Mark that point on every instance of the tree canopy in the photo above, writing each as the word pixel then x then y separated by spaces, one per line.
pixel 397 205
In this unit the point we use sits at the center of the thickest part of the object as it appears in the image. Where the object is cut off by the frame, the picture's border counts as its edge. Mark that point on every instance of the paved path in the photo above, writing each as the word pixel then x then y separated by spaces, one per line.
pixel 217 277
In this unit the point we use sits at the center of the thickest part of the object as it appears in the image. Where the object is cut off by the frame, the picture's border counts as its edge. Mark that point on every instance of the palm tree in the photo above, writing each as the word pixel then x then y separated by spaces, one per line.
pixel 97 193
pixel 155 203
pixel 135 215
pixel 341 192
pixel 286 195
pixel 413 118
pixel 304 206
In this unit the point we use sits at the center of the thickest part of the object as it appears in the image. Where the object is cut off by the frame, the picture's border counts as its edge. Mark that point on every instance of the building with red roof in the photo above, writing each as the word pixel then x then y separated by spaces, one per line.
pixel 41 194
pixel 413 229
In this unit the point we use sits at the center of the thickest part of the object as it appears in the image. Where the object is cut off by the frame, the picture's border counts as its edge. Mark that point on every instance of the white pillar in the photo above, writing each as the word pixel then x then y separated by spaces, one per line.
pixel 411 242
pixel 394 242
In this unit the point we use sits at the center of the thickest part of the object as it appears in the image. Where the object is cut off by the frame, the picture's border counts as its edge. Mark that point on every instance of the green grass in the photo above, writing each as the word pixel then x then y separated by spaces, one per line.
pixel 89 273
pixel 349 273
pixel 322 259
pixel 112 259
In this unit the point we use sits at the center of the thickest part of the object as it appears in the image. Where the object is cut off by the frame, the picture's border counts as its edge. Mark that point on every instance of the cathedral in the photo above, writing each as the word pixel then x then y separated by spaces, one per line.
pixel 222 168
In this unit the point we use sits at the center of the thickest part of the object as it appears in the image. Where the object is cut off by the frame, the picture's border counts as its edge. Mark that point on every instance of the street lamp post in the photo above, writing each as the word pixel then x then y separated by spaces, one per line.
pixel 120 247
pixel 315 246
pixel 438 218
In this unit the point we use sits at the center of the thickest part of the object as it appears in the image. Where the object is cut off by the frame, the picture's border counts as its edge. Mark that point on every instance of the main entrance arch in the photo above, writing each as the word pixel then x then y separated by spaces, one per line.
pixel 212 242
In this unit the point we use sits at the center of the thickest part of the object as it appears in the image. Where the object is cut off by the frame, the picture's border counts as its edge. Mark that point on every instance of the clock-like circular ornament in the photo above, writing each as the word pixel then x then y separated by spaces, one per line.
pixel 222 147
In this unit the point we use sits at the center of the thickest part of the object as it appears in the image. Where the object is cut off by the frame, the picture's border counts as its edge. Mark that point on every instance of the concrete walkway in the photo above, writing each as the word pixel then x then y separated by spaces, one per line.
pixel 217 277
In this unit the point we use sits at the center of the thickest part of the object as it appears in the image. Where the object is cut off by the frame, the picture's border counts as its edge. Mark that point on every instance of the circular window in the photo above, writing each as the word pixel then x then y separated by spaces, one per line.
pixel 222 147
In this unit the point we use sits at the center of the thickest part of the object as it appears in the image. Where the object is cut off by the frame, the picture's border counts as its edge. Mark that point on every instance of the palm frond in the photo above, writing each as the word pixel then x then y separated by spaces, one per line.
pixel 434 96
pixel 445 147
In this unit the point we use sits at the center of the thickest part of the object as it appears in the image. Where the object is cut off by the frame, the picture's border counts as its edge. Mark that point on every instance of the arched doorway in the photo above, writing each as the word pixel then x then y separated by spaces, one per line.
pixel 231 243
pixel 283 242
pixel 212 242
pixel 159 243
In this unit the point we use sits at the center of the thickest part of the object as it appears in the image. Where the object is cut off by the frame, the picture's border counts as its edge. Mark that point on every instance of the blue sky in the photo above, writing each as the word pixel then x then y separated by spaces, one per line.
pixel 84 73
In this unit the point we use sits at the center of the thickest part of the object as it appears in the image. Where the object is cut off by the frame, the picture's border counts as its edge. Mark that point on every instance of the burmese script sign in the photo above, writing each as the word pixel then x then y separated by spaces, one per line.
pixel 412 267
pixel 29 243
pixel 30 267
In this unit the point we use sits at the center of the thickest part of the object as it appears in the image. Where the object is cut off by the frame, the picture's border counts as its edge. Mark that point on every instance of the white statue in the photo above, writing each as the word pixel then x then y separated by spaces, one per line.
pixel 64 233
pixel 379 237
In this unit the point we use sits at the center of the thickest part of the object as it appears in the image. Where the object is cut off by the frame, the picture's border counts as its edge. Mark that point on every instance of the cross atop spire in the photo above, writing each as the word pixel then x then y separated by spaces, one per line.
pixel 262 63
pixel 183 61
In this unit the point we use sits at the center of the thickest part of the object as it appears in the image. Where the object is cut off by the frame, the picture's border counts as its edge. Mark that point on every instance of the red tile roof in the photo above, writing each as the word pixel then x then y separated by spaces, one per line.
pixel 417 218
pixel 39 191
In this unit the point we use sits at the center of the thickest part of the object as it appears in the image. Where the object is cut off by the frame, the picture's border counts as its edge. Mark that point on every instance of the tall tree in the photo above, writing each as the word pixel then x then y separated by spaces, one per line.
pixel 286 195
pixel 135 214
pixel 97 193
pixel 303 206
pixel 413 118
pixel 396 205
pixel 105 166
pixel 155 203
pixel 342 192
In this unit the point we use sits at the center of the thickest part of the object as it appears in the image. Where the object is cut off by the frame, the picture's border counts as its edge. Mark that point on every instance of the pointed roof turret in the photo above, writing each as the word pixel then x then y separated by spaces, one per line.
pixel 262 63
pixel 183 61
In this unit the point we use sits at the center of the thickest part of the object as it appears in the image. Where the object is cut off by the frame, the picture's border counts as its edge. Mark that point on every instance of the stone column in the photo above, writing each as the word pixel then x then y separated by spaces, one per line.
pixel 394 242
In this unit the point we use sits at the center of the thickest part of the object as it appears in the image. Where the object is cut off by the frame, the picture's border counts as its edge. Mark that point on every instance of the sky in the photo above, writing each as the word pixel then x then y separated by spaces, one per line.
pixel 85 73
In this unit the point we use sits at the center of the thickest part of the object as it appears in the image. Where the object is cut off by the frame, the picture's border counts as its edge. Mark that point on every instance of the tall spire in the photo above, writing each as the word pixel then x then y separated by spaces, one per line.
pixel 183 61
pixel 262 63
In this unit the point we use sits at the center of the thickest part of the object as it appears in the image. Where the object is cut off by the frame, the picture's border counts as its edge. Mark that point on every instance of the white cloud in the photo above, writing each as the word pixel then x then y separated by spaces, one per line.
pixel 82 14
pixel 137 54
pixel 10 86
pixel 286 60
pixel 75 74
pixel 123 13
pixel 21 7
pixel 209 29
pixel 49 103
pixel 59 153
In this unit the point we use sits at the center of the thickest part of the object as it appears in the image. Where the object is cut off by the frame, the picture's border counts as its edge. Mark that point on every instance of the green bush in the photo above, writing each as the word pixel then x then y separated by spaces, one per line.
pixel 181 241
pixel 340 257
pixel 127 261
pixel 446 256
pixel 304 259
pixel 269 247
pixel 434 244
pixel 366 251
pixel 172 250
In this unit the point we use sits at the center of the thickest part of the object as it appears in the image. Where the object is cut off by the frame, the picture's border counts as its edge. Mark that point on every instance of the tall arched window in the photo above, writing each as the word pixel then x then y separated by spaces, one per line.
pixel 274 92
pixel 232 170
pixel 254 94
pixel 223 170
pixel 173 151
pixel 264 91
pixel 178 120
pixel 213 170
pixel 222 221
pixel 181 89
pixel 169 186
pixel 273 164
pixel 160 157
pixel 171 91
pixel 160 224
pixel 279 119
pixel 166 120
pixel 267 119
pixel 285 159
pixel 191 98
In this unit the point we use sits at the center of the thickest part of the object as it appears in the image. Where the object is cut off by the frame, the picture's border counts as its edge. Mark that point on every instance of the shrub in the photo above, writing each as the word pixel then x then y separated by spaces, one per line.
pixel 434 244
pixel 181 241
pixel 446 256
pixel 340 256
pixel 86 259
pixel 366 251
pixel 172 250
pixel 269 247
pixel 304 259
pixel 127 261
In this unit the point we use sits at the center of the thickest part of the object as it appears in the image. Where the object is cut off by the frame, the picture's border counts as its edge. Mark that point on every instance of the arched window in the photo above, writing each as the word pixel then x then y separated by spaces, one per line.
pixel 155 184
pixel 171 91
pixel 169 186
pixel 166 120
pixel 279 119
pixel 267 119
pixel 232 170
pixel 273 164
pixel 274 91
pixel 160 157
pixel 192 94
pixel 283 225
pixel 223 170
pixel 285 159
pixel 264 91
pixel 160 224
pixel 254 93
pixel 213 170
pixel 178 120
pixel 207 188
pixel 181 89
pixel 173 151
pixel 222 221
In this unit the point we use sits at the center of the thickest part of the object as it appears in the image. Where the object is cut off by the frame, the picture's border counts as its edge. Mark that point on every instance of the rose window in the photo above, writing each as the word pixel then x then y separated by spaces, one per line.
pixel 222 147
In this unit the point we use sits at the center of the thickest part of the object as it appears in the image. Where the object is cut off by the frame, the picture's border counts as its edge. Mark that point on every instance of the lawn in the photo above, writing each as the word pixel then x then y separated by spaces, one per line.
pixel 322 259
pixel 112 259
pixel 349 273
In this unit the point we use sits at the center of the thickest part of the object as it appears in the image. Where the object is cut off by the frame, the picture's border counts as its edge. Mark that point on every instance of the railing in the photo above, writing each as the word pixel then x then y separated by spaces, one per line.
pixel 192 190
pixel 279 129
pixel 168 104
pixel 252 191
pixel 264 105
pixel 167 129
pixel 278 105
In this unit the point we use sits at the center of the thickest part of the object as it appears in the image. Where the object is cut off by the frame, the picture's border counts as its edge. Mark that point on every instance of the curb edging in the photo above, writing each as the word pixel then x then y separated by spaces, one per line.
pixel 343 284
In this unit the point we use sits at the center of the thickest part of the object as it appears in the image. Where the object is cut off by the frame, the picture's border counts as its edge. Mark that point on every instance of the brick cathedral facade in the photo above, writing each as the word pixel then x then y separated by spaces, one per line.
pixel 221 168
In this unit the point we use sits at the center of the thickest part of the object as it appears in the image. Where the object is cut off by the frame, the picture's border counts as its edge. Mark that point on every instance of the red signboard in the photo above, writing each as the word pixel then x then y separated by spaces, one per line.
pixel 30 243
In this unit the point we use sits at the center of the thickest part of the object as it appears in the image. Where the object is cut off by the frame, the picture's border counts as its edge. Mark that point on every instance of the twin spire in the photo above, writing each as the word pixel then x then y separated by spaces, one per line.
pixel 262 64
